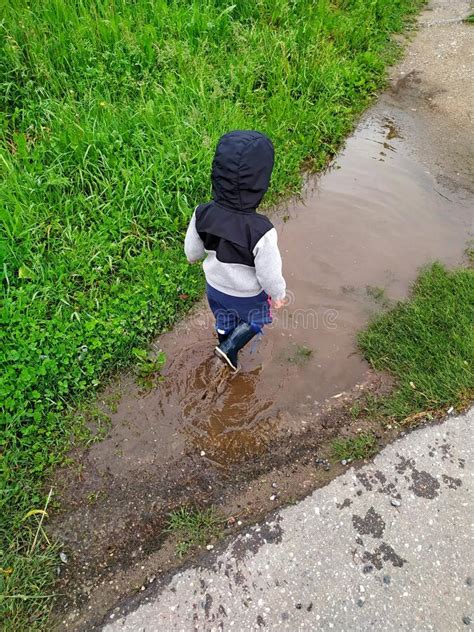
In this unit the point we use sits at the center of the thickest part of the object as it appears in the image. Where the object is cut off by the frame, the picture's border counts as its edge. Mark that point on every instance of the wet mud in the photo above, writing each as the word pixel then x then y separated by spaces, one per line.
pixel 351 247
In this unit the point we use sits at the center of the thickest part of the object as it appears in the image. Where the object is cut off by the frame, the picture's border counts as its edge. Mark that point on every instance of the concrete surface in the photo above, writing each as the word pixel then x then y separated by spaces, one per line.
pixel 383 547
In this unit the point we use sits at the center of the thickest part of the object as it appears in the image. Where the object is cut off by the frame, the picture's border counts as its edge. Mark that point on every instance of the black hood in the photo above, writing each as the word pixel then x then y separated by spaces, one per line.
pixel 241 169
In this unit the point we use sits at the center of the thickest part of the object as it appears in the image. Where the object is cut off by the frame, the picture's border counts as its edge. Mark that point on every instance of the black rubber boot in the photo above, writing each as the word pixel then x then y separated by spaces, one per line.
pixel 235 341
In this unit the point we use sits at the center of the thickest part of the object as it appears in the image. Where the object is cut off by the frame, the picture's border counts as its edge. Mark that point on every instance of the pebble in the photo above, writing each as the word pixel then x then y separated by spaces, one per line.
pixel 203 453
pixel 324 463
pixel 466 620
pixel 395 502
pixel 209 547
pixel 273 497
pixel 343 462
pixel 298 606
pixel 63 557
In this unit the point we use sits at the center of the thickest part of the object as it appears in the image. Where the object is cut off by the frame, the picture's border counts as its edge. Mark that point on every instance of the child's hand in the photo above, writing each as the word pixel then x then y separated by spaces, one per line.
pixel 278 304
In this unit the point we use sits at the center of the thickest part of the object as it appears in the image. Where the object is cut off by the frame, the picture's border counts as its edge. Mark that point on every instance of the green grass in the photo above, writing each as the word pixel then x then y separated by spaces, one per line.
pixel 378 294
pixel 110 113
pixel 362 446
pixel 300 355
pixel 193 527
pixel 470 255
pixel 27 573
pixel 427 344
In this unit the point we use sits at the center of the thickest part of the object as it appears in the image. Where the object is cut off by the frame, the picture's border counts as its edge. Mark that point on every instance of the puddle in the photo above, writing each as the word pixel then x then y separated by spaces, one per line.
pixel 355 244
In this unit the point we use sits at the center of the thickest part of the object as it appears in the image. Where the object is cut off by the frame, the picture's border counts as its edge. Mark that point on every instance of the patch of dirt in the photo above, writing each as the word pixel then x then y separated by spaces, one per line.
pixel 110 559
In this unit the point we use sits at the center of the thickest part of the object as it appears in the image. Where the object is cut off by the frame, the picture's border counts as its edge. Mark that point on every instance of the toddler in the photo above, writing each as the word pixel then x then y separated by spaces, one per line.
pixel 242 263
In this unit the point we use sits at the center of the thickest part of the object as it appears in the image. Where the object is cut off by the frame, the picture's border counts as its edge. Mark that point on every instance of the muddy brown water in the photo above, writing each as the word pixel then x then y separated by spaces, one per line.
pixel 352 246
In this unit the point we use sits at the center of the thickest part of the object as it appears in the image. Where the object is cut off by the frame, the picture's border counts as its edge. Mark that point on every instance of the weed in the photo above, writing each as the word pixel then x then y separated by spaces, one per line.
pixel 470 254
pixel 356 410
pixel 378 295
pixel 427 344
pixel 193 527
pixel 93 497
pixel 91 424
pixel 301 355
pixel 362 446
pixel 149 364
pixel 112 401
pixel 367 406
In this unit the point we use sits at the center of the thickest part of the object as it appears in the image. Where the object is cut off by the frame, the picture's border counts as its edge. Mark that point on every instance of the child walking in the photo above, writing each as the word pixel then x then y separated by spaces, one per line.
pixel 243 264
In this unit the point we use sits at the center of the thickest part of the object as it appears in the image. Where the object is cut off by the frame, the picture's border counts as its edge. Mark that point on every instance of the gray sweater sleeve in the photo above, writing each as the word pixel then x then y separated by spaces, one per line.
pixel 193 246
pixel 268 265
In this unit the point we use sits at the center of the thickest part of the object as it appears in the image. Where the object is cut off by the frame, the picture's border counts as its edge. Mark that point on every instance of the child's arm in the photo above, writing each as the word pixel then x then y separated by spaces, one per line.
pixel 268 266
pixel 193 246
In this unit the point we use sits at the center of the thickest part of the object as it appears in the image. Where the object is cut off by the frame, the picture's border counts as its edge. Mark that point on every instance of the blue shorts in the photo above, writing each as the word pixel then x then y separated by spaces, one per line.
pixel 230 310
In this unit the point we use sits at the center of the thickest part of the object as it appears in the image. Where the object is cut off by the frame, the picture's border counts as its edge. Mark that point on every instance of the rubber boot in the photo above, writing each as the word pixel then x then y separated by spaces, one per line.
pixel 235 341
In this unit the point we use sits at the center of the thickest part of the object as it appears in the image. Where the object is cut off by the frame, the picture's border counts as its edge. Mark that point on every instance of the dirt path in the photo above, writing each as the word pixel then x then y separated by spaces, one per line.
pixel 367 552
pixel 397 197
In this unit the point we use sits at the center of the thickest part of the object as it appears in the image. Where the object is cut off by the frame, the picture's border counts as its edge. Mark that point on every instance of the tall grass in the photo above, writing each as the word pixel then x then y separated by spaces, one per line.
pixel 110 112
pixel 427 344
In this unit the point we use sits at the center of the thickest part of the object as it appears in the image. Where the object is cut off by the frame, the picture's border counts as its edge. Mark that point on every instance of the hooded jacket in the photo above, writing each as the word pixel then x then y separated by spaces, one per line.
pixel 240 245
